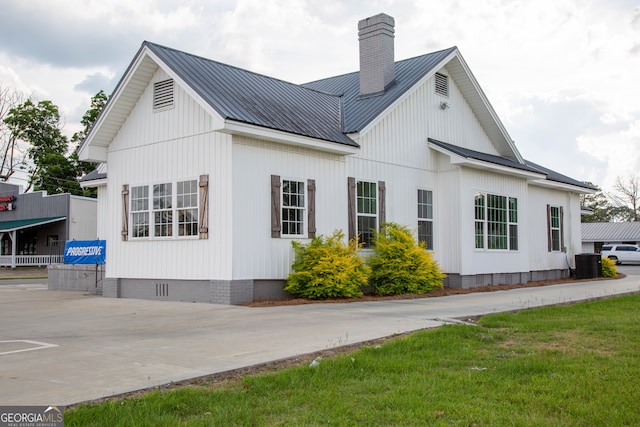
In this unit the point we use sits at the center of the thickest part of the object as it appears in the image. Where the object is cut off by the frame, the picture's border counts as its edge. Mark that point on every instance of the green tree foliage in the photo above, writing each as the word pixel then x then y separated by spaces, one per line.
pixel 604 208
pixel 51 168
pixel 327 268
pixel 98 102
pixel 609 268
pixel 399 265
pixel 39 125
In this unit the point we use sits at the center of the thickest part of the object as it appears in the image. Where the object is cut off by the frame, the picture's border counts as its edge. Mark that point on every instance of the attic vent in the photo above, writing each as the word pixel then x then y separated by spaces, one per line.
pixel 442 84
pixel 163 94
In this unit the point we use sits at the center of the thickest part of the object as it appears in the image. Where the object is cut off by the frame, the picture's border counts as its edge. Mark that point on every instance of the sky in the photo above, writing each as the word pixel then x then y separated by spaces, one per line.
pixel 562 75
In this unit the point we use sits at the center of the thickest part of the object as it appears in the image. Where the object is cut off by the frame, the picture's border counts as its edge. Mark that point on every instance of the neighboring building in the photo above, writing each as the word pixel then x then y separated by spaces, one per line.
pixel 34 226
pixel 210 171
pixel 596 234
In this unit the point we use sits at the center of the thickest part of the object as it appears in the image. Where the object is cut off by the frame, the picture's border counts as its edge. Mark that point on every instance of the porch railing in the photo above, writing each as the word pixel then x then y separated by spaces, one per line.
pixel 31 260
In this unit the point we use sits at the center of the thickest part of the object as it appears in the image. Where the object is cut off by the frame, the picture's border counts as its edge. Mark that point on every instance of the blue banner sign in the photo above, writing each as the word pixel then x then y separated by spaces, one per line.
pixel 85 251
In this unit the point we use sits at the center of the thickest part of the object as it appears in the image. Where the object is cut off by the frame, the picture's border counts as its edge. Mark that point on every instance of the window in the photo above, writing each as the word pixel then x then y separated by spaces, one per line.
pixel 187 206
pixel 163 94
pixel 140 211
pixel 293 207
pixel 168 213
pixel 496 222
pixel 554 221
pixel 162 212
pixel 442 84
pixel 366 202
pixel 425 218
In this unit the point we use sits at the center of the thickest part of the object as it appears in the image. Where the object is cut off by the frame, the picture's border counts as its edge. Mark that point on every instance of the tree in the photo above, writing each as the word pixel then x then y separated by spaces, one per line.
pixel 98 102
pixel 602 207
pixel 11 154
pixel 629 192
pixel 39 125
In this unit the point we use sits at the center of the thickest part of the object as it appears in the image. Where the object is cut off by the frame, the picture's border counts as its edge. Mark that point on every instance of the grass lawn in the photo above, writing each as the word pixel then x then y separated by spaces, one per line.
pixel 575 365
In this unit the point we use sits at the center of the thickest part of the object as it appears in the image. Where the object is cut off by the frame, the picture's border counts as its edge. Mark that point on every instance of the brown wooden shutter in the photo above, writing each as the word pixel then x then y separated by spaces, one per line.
pixel 276 226
pixel 125 212
pixel 548 228
pixel 561 229
pixel 382 211
pixel 311 197
pixel 351 207
pixel 204 207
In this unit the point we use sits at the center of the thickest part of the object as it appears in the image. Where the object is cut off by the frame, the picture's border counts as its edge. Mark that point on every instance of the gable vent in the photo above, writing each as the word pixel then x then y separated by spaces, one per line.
pixel 163 94
pixel 442 84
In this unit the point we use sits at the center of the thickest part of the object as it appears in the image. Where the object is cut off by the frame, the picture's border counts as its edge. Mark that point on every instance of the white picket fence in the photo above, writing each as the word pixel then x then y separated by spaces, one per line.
pixel 31 260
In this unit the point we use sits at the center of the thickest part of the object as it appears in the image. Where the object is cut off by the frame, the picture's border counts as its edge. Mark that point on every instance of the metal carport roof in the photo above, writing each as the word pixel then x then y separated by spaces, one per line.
pixel 20 224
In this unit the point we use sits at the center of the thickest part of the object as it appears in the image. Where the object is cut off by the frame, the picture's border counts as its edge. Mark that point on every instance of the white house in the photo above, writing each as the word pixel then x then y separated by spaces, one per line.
pixel 210 171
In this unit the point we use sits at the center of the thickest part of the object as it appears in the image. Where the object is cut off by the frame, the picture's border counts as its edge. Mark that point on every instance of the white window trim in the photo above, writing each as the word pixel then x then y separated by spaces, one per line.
pixel 433 203
pixel 359 214
pixel 305 222
pixel 485 221
pixel 151 211
pixel 558 228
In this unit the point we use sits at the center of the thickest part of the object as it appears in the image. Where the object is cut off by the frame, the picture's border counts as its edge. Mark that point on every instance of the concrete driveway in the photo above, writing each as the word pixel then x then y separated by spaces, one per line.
pixel 64 347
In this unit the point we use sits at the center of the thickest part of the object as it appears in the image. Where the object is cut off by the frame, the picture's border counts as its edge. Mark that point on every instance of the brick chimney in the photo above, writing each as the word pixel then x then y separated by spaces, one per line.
pixel 377 69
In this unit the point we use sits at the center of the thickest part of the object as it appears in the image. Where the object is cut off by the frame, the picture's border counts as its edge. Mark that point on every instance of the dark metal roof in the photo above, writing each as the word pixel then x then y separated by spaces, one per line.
pixel 361 110
pixel 477 155
pixel 92 176
pixel 326 109
pixel 528 166
pixel 256 99
pixel 558 177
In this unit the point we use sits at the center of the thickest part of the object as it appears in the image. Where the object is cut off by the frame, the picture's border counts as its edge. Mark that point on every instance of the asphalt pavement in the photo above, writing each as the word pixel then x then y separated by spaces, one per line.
pixel 65 347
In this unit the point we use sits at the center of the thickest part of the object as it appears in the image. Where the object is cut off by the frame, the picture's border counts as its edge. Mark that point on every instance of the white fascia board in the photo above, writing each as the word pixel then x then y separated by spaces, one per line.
pixel 562 186
pixel 92 153
pixel 456 159
pixel 112 101
pixel 489 107
pixel 238 128
pixel 479 164
pixel 94 183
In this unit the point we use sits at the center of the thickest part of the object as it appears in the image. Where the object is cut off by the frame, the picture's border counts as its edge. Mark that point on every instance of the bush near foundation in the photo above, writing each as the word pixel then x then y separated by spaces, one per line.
pixel 609 268
pixel 400 266
pixel 327 268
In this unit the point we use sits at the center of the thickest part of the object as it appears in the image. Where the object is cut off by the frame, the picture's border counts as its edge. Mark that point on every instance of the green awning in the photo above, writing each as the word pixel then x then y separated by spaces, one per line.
pixel 20 224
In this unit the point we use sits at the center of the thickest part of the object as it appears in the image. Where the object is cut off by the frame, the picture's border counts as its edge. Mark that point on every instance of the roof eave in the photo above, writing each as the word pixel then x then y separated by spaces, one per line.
pixel 94 183
pixel 457 159
pixel 94 146
pixel 563 186
pixel 239 128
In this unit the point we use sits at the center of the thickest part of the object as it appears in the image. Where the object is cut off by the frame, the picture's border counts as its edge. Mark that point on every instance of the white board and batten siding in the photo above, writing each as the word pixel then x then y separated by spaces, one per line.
pixel 395 150
pixel 256 255
pixel 83 215
pixel 171 145
pixel 540 258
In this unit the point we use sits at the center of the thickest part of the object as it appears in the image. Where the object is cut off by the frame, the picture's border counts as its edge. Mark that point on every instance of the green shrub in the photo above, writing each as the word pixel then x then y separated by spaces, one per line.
pixel 400 266
pixel 327 268
pixel 609 268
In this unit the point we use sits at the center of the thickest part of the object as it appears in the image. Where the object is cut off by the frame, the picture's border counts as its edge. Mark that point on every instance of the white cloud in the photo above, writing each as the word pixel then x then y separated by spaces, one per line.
pixel 561 74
